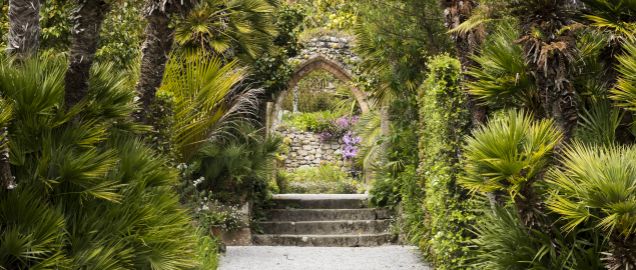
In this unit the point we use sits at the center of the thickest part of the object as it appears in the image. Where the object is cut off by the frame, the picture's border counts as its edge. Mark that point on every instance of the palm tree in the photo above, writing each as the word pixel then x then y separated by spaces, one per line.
pixel 91 195
pixel 23 41
pixel 159 36
pixel 208 99
pixel 466 44
pixel 88 18
pixel 549 49
pixel 508 155
pixel 596 186
pixel 6 178
pixel 24 27
pixel 229 28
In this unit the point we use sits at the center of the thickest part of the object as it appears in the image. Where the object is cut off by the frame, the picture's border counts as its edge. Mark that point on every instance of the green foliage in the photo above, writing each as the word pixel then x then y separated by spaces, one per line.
pixel 501 76
pixel 508 153
pixel 313 121
pixel 207 252
pixel 207 99
pixel 89 195
pixel 504 243
pixel 394 48
pixel 322 179
pixel 444 123
pixel 272 69
pixel 229 28
pixel 596 184
pixel 598 125
pixel 122 34
pixel 625 92
pixel 213 214
pixel 329 14
pixel 594 188
pixel 234 168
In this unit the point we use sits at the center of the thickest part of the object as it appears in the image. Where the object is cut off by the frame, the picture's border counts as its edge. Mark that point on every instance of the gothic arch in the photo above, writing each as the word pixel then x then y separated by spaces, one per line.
pixel 320 62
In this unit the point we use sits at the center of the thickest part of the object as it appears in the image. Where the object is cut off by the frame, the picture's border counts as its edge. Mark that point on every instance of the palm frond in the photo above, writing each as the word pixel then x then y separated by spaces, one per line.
pixel 508 151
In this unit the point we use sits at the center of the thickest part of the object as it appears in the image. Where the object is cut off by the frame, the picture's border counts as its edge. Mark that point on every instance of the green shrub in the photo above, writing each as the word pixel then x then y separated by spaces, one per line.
pixel 313 121
pixel 444 123
pixel 207 252
pixel 90 195
pixel 322 179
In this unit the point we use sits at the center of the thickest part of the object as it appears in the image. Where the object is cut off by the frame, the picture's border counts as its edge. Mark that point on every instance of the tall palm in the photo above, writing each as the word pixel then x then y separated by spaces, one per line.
pixel 159 36
pixel 229 28
pixel 597 186
pixel 549 50
pixel 23 41
pixel 88 18
pixel 24 27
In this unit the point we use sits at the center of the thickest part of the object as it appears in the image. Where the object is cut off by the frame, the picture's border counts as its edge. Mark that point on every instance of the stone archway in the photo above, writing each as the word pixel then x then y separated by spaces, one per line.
pixel 331 54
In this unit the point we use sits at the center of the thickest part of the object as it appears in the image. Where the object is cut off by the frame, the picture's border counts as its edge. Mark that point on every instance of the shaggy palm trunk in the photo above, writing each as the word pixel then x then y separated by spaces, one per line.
pixel 24 28
pixel 87 22
pixel 155 49
pixel 466 44
pixel 622 253
pixel 6 177
pixel 23 41
pixel 548 50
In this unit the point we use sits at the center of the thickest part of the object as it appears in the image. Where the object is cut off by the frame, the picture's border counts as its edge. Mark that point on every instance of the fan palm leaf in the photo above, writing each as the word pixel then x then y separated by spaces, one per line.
pixel 508 152
pixel 597 186
pixel 208 98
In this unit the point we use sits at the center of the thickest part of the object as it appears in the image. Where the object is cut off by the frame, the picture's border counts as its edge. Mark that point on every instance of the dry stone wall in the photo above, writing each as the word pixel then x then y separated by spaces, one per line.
pixel 337 49
pixel 306 149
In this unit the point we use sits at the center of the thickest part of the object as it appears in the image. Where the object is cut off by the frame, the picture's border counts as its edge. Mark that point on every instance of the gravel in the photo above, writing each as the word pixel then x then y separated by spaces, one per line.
pixel 322 258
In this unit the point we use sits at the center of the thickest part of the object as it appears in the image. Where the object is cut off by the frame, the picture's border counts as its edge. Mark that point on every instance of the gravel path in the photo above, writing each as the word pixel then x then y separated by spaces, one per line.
pixel 322 258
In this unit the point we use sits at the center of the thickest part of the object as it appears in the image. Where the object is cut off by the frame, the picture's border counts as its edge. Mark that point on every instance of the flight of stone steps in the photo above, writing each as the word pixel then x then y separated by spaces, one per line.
pixel 338 220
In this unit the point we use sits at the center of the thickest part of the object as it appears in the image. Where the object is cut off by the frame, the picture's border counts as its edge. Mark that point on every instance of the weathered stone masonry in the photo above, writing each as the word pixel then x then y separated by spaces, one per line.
pixel 308 150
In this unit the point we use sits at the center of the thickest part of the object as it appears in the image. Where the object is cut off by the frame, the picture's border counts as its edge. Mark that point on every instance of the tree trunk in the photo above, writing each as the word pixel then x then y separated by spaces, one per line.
pixel 23 41
pixel 24 28
pixel 6 177
pixel 466 44
pixel 155 50
pixel 87 22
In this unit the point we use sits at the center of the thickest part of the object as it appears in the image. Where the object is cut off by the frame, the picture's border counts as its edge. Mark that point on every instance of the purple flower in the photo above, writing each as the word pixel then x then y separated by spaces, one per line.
pixel 349 152
pixel 342 122
pixel 350 139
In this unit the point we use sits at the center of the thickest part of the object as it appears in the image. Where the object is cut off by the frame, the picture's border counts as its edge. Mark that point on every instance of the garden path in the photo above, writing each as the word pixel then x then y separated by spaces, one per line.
pixel 322 258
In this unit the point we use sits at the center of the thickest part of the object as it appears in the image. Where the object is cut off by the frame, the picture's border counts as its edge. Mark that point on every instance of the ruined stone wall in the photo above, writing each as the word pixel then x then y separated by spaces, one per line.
pixel 306 149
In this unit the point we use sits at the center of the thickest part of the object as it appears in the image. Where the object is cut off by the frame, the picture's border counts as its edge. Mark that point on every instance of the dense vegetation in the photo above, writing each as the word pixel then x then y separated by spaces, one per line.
pixel 501 132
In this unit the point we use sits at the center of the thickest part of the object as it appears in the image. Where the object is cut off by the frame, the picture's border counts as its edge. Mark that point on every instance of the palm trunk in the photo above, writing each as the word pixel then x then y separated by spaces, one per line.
pixel 24 28
pixel 6 177
pixel 622 253
pixel 23 41
pixel 155 50
pixel 548 51
pixel 466 44
pixel 87 22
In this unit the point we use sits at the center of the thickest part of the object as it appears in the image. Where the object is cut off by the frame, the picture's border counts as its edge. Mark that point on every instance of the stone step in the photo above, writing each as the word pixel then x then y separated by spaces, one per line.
pixel 326 214
pixel 361 240
pixel 320 201
pixel 325 227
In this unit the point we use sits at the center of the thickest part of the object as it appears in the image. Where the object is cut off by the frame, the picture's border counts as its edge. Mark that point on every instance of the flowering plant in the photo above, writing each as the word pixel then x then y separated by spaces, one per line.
pixel 350 148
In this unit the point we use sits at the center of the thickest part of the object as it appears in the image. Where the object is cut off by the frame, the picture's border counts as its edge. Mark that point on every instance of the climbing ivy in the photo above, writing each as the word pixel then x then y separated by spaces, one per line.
pixel 444 121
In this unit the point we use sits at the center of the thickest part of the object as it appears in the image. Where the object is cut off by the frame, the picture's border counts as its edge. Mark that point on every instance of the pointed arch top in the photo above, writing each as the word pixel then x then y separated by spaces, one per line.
pixel 320 62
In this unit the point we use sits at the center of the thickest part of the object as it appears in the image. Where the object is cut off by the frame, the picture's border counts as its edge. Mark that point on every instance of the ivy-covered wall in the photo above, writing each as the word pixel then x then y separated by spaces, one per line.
pixel 444 122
